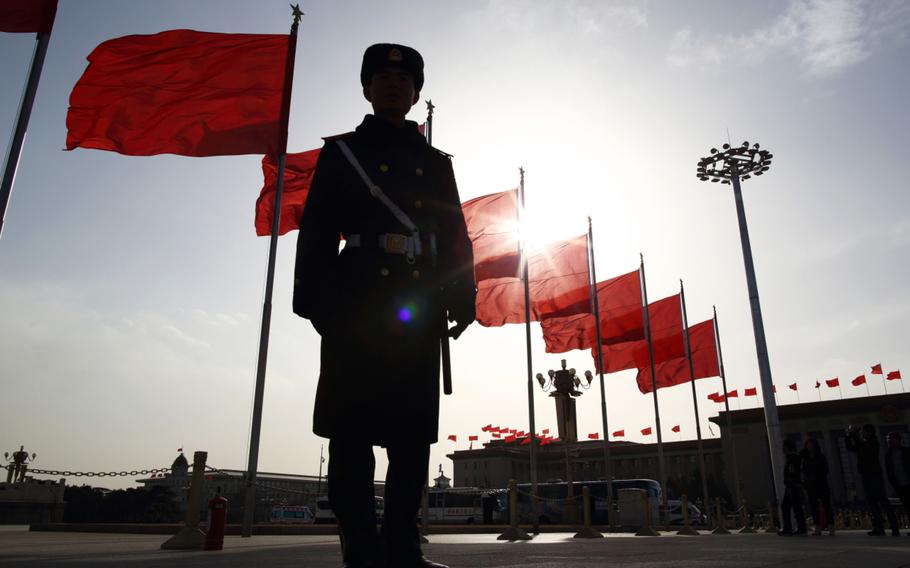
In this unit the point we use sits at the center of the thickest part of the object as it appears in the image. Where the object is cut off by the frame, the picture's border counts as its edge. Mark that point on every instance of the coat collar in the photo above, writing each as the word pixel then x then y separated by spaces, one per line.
pixel 379 131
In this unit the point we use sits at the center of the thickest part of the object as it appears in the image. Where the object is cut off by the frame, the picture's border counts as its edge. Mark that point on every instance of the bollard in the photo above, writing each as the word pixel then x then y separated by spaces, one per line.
pixel 514 532
pixel 772 526
pixel 744 516
pixel 646 529
pixel 214 537
pixel 190 536
pixel 587 530
pixel 686 529
pixel 719 523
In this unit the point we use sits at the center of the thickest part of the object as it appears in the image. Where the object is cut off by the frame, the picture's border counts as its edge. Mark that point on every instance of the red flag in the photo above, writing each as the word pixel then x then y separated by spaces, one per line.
pixel 558 281
pixel 666 333
pixel 184 92
pixel 732 394
pixel 619 302
pixel 594 436
pixel 877 369
pixel 487 428
pixel 619 434
pixel 453 437
pixel 750 392
pixel 298 175
pixel 525 441
pixel 472 438
pixel 646 431
pixel 818 383
pixel 676 371
pixel 714 396
pixel 492 222
pixel 894 376
pixel 510 438
pixel 179 449
pixel 495 434
pixel 792 387
pixel 835 382
pixel 546 431
pixel 860 380
pixel 675 428
pixel 27 16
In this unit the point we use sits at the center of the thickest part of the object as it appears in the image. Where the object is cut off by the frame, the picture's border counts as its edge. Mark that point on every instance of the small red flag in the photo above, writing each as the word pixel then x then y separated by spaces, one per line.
pixel 453 437
pixel 179 449
pixel 594 436
pixel 496 434
pixel 545 441
pixel 894 376
pixel 510 438
pixel 646 431
pixel 472 438
pixel 675 428
pixel 545 431
pixel 835 382
pixel 732 394
pixel 750 392
pixel 525 441
pixel 860 380
pixel 877 369
pixel 792 386
pixel 27 16
pixel 487 428
pixel 619 434
pixel 818 383
pixel 184 92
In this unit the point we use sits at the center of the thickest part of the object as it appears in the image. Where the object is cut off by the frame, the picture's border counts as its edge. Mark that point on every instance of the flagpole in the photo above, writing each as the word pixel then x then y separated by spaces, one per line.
pixel 798 401
pixel 527 289
pixel 660 442
pixel 259 393
pixel 688 345
pixel 839 391
pixel 819 387
pixel 723 378
pixel 17 139
pixel 595 302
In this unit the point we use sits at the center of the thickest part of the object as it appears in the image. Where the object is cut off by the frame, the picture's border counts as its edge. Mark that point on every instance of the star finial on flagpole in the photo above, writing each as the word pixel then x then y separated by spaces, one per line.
pixel 430 107
pixel 296 12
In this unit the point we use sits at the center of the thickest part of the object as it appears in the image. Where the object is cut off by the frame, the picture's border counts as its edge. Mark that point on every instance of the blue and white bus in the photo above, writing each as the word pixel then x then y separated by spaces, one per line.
pixel 552 508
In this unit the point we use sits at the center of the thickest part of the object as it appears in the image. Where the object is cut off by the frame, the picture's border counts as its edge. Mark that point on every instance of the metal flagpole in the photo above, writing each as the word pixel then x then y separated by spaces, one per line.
pixel 595 303
pixel 527 289
pixel 723 378
pixel 25 112
pixel 688 345
pixel 660 442
pixel 259 392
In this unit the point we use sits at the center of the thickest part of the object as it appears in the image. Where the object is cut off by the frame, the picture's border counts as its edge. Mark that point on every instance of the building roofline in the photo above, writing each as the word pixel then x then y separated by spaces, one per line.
pixel 817 408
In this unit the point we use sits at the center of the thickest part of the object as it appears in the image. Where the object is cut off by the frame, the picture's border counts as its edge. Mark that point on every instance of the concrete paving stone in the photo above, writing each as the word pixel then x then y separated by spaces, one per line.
pixel 850 549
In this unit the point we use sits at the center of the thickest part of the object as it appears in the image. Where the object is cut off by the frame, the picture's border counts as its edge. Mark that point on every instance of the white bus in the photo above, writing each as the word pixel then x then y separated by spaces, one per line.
pixel 468 505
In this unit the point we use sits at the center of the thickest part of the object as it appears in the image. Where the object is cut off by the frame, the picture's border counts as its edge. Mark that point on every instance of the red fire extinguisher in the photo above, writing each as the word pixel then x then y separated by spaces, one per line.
pixel 214 538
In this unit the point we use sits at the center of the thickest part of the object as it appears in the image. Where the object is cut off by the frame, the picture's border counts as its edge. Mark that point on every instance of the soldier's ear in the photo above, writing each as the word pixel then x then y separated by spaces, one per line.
pixel 366 93
pixel 416 98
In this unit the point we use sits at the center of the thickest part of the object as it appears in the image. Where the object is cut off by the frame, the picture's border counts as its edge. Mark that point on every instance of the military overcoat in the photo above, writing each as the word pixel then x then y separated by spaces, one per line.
pixel 381 314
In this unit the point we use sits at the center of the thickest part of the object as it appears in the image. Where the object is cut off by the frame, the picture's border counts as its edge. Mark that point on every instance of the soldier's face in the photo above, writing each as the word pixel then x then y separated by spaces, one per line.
pixel 391 92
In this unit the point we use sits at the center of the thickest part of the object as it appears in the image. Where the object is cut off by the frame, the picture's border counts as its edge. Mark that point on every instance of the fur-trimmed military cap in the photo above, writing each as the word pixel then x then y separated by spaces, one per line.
pixel 381 55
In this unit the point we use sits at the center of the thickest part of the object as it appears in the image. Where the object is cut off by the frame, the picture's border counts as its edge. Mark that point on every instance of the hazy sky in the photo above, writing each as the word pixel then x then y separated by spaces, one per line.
pixel 131 287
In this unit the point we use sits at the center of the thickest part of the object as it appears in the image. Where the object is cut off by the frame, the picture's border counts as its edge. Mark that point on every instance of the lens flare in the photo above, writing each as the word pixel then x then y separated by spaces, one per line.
pixel 404 314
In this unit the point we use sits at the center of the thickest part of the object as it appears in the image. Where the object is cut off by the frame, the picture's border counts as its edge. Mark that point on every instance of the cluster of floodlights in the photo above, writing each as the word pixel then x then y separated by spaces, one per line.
pixel 742 161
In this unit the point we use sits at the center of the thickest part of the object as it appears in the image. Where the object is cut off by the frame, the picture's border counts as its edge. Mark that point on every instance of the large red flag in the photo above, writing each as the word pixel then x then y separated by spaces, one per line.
pixel 619 302
pixel 666 331
pixel 877 369
pixel 27 16
pixel 894 376
pixel 676 371
pixel 298 175
pixel 492 222
pixel 184 92
pixel 558 282
pixel 835 382
pixel 860 380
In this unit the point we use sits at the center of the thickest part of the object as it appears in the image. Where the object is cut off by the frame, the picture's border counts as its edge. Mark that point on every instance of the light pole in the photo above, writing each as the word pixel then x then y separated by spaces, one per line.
pixel 729 166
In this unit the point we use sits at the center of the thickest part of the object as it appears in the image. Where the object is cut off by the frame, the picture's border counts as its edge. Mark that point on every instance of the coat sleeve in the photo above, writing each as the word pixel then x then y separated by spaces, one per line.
pixel 458 275
pixel 315 269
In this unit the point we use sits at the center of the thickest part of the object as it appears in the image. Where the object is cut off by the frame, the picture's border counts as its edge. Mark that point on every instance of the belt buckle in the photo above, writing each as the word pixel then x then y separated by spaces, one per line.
pixel 397 244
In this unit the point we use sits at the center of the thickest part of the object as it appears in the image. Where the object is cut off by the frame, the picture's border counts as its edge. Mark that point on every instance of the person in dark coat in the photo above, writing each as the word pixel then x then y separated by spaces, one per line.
pixel 865 446
pixel 815 480
pixel 897 465
pixel 381 304
pixel 793 492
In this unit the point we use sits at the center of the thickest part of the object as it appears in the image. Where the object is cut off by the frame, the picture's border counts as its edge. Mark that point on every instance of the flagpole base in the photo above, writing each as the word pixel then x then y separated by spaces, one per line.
pixel 514 533
pixel 687 531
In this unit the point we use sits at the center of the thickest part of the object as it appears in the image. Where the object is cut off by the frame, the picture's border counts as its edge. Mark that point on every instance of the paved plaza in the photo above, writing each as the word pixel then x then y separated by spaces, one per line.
pixel 848 549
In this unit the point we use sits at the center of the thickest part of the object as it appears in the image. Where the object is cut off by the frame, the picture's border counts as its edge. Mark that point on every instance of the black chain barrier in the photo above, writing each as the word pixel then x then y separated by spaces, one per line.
pixel 67 473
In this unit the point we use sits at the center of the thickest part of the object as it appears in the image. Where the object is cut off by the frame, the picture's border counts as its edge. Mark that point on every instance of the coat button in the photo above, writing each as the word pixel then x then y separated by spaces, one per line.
pixel 419 172
pixel 383 168
pixel 384 271
pixel 418 204
pixel 415 274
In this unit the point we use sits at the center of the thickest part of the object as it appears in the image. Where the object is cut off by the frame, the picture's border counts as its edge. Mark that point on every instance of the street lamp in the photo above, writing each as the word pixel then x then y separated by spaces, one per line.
pixel 728 166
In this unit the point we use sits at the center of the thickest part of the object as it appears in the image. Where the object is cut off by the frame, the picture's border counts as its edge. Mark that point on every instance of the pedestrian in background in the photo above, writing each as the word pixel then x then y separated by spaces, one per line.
pixel 865 446
pixel 793 493
pixel 815 480
pixel 897 464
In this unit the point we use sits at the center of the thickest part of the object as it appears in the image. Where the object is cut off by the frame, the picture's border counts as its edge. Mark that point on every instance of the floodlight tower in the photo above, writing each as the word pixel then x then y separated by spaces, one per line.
pixel 729 166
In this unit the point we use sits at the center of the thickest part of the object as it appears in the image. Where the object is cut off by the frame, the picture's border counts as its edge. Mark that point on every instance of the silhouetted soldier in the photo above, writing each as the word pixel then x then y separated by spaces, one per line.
pixel 870 471
pixel 380 305
pixel 897 464
pixel 815 480
pixel 793 493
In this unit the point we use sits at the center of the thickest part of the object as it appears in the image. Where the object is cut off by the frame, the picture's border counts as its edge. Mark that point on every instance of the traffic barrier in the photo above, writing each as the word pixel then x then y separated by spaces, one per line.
pixel 719 522
pixel 744 518
pixel 646 529
pixel 191 536
pixel 513 532
pixel 686 529
pixel 587 530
